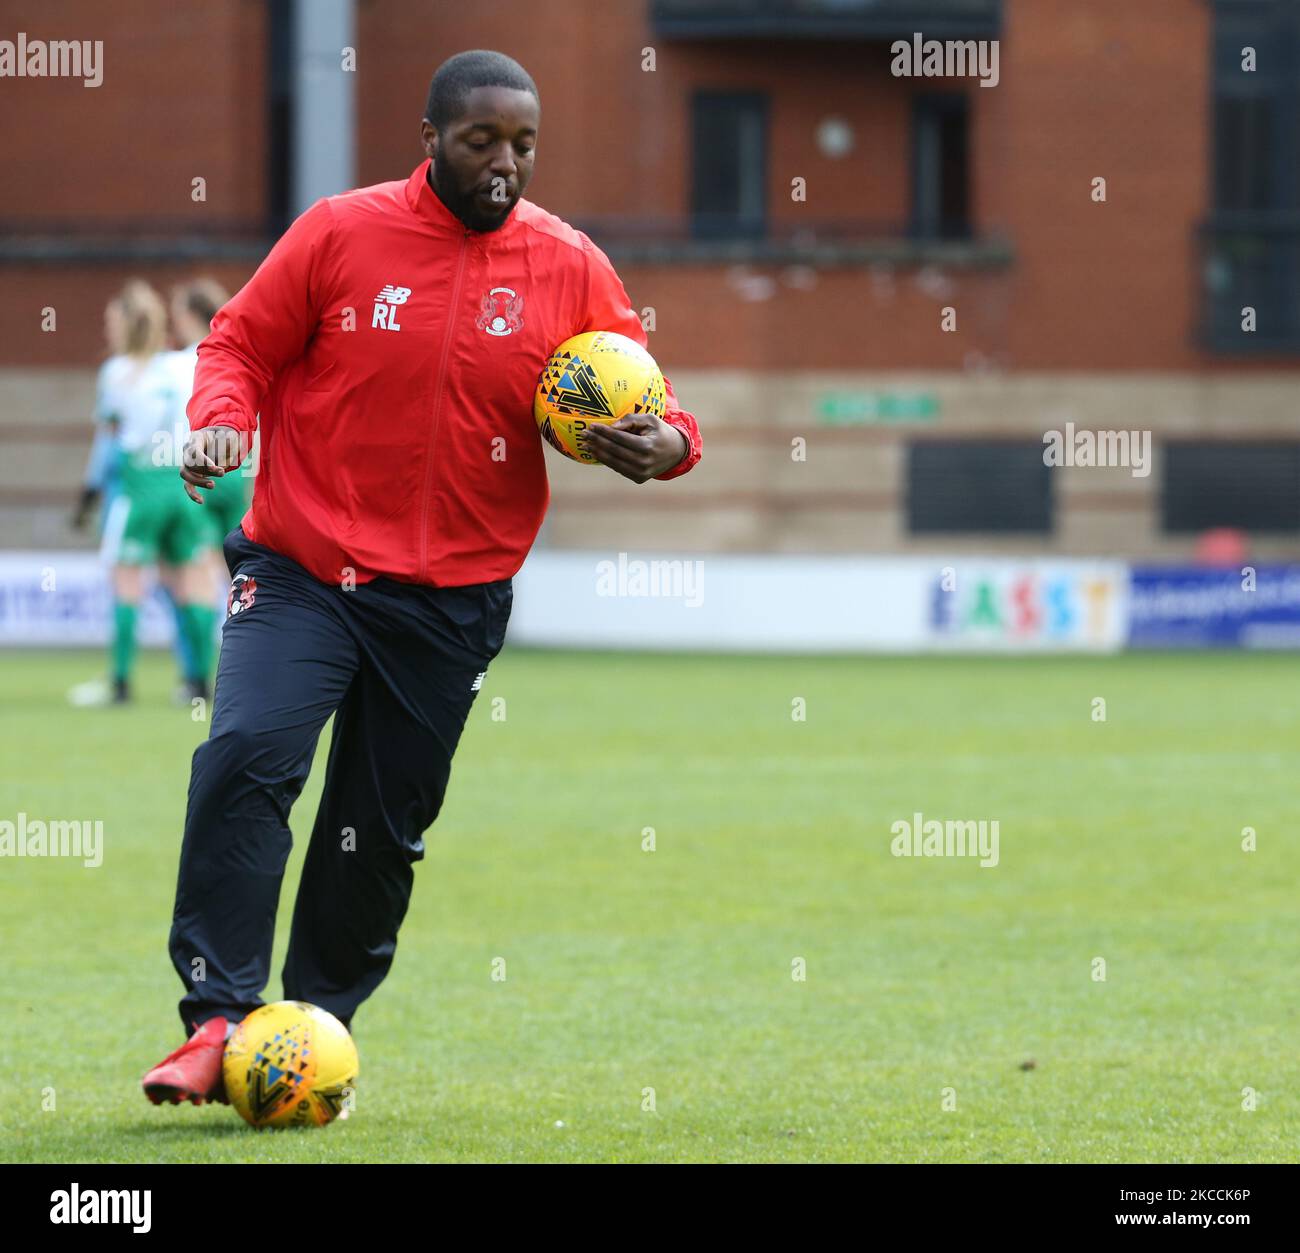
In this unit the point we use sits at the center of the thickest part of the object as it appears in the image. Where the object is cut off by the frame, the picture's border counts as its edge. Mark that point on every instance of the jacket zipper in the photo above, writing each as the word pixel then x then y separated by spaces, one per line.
pixel 437 405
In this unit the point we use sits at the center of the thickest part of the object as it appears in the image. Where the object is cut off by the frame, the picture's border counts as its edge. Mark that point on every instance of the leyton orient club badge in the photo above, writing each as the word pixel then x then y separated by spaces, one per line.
pixel 243 591
pixel 502 312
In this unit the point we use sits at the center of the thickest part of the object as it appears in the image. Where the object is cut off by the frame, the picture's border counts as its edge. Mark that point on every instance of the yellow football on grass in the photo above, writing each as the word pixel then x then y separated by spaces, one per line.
pixel 290 1064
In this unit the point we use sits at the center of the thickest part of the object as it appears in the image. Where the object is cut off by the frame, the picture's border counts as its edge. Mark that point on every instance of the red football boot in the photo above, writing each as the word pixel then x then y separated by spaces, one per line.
pixel 193 1072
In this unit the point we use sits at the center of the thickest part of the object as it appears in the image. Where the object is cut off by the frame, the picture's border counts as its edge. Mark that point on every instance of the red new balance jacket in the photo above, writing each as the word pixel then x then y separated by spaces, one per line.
pixel 392 354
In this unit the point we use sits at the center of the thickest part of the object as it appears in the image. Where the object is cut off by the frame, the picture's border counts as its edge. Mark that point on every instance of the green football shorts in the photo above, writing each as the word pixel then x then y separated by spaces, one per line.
pixel 152 519
pixel 224 506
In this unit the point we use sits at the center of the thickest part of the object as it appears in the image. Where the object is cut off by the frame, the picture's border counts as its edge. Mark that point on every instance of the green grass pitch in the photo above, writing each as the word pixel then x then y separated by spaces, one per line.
pixel 929 982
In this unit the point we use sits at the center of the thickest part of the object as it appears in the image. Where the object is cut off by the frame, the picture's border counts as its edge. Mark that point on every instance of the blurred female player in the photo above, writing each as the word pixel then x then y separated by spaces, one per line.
pixel 193 306
pixel 148 521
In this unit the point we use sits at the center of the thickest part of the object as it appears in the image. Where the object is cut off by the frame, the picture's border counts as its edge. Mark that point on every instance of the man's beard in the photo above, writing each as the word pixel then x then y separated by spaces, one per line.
pixel 463 206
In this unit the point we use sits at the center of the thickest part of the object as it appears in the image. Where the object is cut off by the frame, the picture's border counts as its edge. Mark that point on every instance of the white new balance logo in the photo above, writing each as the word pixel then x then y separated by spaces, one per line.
pixel 385 313
pixel 478 681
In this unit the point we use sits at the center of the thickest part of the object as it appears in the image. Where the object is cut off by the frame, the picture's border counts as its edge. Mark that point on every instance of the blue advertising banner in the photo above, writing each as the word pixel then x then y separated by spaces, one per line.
pixel 1246 607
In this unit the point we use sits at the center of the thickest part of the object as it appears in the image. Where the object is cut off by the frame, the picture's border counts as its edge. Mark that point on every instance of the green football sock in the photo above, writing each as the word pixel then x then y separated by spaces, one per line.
pixel 123 650
pixel 200 625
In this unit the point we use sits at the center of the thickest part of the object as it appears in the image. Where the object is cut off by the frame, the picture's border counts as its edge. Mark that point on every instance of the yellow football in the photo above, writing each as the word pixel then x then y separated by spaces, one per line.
pixel 598 376
pixel 290 1064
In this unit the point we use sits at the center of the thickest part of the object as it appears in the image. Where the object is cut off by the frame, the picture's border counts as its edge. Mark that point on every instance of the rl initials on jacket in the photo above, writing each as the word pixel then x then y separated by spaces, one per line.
pixel 392 353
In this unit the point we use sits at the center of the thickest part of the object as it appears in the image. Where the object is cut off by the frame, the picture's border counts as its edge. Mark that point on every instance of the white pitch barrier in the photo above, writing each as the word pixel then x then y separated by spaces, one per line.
pixel 777 603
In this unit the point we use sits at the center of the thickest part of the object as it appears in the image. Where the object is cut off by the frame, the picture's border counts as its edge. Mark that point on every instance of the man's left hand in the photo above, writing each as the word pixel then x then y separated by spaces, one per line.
pixel 639 446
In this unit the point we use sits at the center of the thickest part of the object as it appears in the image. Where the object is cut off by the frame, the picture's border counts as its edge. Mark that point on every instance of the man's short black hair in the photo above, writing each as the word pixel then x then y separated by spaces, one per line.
pixel 456 77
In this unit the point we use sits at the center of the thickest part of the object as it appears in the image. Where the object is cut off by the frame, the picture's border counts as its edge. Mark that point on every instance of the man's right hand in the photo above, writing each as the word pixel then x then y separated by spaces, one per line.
pixel 209 453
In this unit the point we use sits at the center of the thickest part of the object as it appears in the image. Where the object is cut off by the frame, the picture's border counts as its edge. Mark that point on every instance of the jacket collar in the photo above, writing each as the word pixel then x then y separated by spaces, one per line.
pixel 427 205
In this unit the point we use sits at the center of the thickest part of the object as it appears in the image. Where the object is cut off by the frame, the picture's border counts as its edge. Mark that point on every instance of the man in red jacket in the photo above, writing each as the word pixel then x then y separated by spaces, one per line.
pixel 391 343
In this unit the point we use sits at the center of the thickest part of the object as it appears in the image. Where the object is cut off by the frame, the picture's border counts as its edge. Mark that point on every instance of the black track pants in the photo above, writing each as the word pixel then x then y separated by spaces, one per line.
pixel 399 665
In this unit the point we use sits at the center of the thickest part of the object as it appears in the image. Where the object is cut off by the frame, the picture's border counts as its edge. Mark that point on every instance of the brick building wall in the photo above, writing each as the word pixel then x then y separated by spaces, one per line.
pixel 1094 312
pixel 182 97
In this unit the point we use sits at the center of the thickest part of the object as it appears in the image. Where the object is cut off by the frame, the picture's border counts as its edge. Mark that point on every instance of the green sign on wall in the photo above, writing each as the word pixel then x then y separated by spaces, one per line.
pixel 865 408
